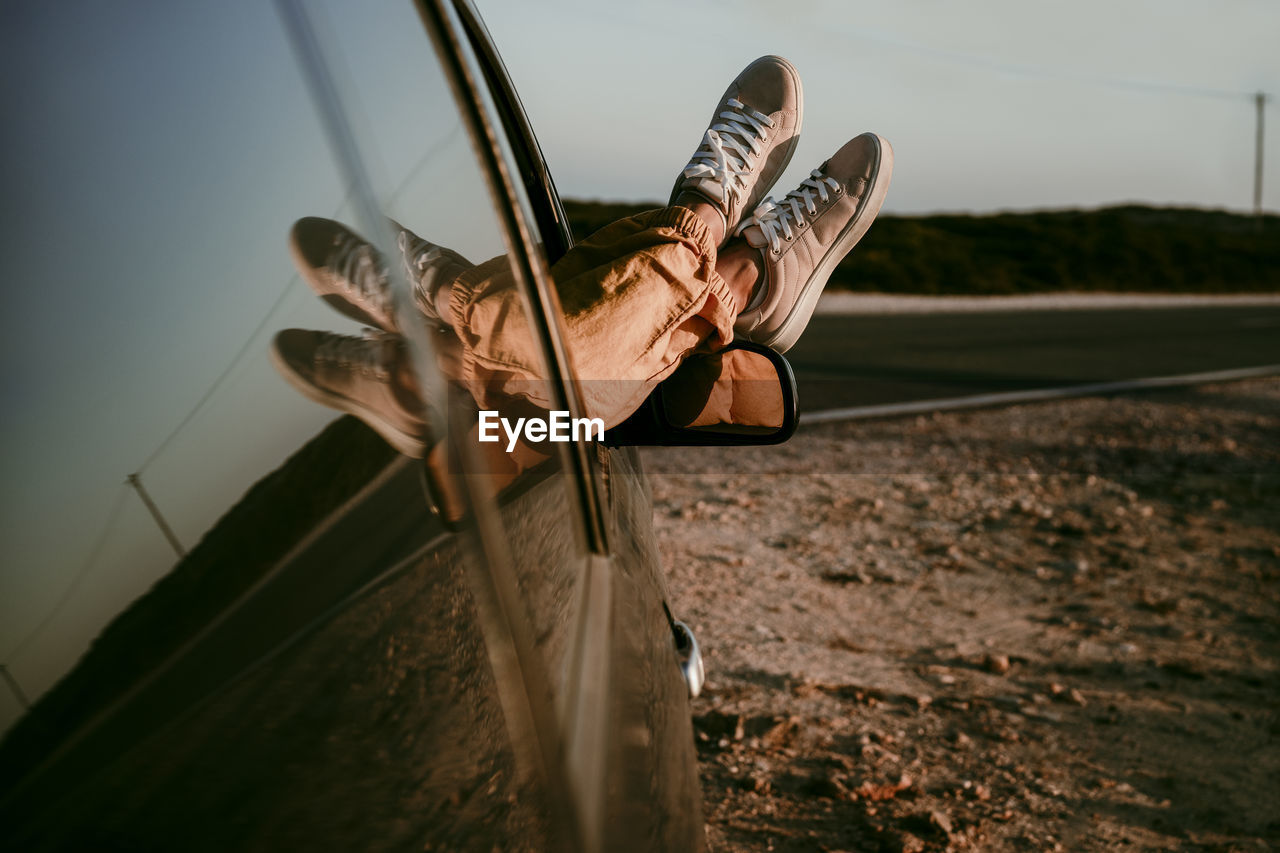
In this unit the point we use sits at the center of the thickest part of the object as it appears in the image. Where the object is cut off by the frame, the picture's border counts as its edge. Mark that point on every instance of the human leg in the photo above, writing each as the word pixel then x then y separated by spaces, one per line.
pixel 643 293
pixel 635 297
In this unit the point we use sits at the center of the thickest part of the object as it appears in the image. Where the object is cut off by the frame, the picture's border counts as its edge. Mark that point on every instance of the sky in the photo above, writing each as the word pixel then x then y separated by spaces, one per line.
pixel 155 153
pixel 989 104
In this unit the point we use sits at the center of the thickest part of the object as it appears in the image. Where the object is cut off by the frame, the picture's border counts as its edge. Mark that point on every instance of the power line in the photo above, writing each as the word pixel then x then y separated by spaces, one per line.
pixel 217 383
pixel 1038 72
pixel 1260 100
pixel 15 687
pixel 134 479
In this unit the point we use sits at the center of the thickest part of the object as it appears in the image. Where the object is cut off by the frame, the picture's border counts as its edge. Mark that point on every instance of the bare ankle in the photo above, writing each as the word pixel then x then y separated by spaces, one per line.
pixel 742 270
pixel 707 212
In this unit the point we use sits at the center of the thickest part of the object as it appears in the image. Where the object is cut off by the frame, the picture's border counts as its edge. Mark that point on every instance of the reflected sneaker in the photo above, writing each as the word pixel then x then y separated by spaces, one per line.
pixel 355 375
pixel 804 235
pixel 752 135
pixel 349 273
pixel 429 267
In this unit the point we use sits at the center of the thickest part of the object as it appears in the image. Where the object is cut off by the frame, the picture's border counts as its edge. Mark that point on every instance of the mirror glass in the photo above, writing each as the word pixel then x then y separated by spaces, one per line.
pixel 732 392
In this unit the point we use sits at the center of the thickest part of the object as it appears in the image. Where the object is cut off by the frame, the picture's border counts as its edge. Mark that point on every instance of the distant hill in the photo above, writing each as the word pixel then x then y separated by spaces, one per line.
pixel 1115 249
pixel 273 515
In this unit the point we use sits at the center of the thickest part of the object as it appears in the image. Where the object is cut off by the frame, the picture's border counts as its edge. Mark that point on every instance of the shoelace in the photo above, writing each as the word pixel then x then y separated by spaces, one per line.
pixel 729 148
pixel 776 218
pixel 416 253
pixel 365 354
pixel 360 269
pixel 419 257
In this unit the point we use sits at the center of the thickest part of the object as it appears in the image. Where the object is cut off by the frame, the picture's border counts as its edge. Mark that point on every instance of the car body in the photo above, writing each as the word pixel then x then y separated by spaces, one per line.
pixel 331 665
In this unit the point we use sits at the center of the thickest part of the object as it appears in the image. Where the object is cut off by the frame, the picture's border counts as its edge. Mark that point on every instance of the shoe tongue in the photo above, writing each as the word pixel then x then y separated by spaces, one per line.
pixel 754 236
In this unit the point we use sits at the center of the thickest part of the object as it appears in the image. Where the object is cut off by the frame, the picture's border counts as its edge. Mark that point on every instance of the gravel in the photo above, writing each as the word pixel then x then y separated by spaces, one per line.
pixel 1043 627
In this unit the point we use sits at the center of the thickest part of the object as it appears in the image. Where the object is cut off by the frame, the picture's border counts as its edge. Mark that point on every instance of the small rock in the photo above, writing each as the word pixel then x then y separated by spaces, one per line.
pixel 940 820
pixel 998 664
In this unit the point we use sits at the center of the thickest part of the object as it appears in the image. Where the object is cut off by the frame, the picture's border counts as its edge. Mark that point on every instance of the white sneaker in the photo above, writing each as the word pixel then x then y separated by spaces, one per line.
pixel 354 375
pixel 349 273
pixel 749 142
pixel 804 235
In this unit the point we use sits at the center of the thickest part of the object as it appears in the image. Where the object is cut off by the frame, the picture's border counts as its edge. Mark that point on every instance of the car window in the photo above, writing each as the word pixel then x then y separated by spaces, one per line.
pixel 234 608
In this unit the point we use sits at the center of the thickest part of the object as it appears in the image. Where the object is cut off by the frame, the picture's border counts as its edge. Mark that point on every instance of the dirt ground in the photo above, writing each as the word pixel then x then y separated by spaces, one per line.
pixel 1046 627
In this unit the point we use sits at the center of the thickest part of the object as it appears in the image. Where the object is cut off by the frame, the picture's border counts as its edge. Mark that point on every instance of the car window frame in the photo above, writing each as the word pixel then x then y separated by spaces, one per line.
pixel 575 757
pixel 516 173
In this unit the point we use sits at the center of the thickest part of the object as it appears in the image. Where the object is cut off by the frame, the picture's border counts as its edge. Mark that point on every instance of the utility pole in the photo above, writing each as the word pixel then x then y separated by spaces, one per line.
pixel 1260 100
pixel 135 481
pixel 13 685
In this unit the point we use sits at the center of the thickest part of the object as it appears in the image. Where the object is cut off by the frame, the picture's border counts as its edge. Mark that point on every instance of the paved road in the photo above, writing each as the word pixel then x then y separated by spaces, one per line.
pixel 870 359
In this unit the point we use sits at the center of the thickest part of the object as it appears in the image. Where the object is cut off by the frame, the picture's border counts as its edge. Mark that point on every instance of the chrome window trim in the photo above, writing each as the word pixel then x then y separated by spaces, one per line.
pixel 571 737
pixel 528 262
pixel 548 212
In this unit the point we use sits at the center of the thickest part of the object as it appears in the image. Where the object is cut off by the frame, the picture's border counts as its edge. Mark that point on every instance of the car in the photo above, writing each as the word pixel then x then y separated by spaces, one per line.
pixel 361 651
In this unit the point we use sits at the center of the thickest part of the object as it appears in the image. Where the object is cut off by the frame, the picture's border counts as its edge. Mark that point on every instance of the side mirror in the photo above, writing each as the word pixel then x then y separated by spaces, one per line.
pixel 744 394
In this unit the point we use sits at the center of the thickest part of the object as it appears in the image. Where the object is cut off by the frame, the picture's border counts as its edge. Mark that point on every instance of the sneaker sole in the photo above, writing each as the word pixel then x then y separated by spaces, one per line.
pixel 402 441
pixel 786 335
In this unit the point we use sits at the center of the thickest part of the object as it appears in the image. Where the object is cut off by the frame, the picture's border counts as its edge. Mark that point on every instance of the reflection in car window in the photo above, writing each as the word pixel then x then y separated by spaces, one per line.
pixel 302 660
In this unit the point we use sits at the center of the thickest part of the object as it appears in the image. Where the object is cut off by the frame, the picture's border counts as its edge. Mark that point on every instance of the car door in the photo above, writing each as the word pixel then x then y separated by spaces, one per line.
pixel 627 735
pixel 267 637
